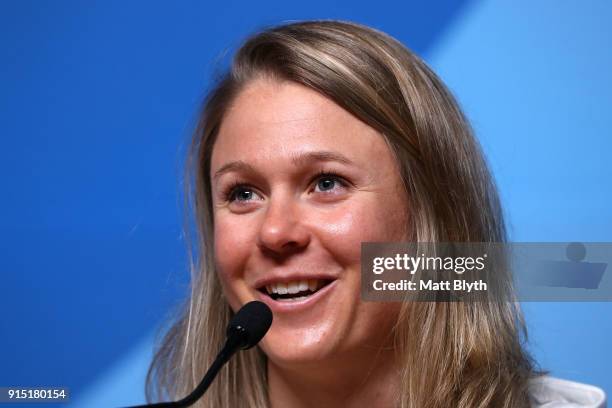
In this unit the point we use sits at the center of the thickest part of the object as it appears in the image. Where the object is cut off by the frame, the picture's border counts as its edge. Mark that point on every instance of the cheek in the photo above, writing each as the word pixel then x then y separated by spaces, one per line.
pixel 233 243
pixel 340 233
pixel 367 220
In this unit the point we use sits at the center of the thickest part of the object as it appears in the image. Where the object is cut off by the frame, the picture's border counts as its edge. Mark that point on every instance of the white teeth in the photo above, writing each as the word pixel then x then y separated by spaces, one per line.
pixel 293 287
pixel 292 299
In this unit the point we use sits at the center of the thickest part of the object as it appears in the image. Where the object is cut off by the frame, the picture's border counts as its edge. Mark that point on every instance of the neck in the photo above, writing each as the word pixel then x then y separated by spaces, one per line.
pixel 371 379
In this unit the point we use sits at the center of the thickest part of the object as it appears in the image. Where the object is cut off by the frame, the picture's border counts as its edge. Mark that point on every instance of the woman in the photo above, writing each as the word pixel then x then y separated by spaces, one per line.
pixel 324 135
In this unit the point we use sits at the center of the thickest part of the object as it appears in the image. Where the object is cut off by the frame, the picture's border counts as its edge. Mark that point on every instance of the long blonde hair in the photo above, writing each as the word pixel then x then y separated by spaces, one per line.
pixel 452 354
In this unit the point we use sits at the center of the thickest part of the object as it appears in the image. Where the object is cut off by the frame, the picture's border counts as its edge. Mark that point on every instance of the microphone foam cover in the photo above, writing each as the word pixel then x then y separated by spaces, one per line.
pixel 253 321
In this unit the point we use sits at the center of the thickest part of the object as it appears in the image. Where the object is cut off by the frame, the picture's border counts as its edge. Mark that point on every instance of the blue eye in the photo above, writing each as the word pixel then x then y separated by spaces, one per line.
pixel 240 192
pixel 326 184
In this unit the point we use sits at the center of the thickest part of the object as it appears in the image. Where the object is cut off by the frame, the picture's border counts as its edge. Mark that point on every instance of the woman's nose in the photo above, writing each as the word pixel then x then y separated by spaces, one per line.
pixel 282 230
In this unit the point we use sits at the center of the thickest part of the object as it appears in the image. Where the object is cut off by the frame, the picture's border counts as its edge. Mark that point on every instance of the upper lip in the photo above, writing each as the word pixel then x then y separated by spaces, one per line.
pixel 269 280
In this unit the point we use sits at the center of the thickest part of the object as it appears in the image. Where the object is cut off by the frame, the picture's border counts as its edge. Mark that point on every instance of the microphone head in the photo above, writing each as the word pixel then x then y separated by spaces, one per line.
pixel 250 324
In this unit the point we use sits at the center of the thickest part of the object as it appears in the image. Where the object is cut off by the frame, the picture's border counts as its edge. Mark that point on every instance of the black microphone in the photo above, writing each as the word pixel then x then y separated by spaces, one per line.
pixel 246 329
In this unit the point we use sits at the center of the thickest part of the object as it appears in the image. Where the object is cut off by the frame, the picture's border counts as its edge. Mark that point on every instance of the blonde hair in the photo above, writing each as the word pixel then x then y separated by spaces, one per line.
pixel 452 354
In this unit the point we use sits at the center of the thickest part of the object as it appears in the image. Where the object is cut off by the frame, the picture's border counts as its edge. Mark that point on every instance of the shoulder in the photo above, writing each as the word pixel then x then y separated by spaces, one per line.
pixel 550 392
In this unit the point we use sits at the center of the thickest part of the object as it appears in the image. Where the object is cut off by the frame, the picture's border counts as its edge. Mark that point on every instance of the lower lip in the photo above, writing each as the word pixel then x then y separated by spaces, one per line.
pixel 297 305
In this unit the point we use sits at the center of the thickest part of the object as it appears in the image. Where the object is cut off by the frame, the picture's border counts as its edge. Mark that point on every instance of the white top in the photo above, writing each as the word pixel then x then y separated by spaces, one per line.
pixel 550 392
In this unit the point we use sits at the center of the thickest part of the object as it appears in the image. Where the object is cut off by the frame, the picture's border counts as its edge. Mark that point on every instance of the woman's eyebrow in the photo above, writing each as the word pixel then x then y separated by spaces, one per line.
pixel 238 165
pixel 297 160
pixel 320 156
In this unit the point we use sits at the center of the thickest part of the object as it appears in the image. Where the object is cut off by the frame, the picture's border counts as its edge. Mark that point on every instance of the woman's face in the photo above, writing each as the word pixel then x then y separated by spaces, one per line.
pixel 298 184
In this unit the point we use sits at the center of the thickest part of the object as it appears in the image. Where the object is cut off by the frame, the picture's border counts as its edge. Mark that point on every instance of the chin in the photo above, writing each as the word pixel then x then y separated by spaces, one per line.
pixel 301 347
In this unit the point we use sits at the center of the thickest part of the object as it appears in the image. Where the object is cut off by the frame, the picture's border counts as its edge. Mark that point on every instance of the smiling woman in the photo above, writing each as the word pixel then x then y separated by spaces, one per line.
pixel 321 183
pixel 322 136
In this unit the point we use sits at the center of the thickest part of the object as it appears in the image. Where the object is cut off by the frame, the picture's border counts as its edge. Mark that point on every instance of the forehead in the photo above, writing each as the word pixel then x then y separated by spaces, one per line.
pixel 271 119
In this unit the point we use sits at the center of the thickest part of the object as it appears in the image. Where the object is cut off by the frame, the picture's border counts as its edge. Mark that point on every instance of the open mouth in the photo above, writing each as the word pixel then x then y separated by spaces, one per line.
pixel 294 291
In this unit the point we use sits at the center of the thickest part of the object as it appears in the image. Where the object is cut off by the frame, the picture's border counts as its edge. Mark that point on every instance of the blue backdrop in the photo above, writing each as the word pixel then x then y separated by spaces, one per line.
pixel 98 100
